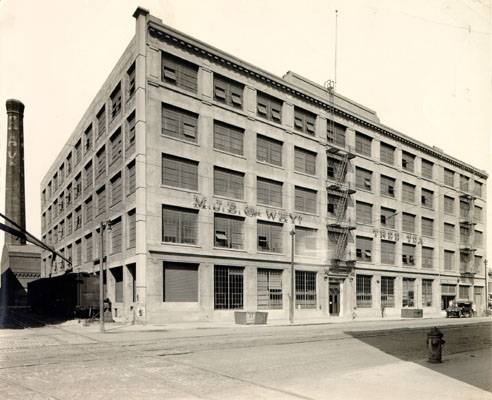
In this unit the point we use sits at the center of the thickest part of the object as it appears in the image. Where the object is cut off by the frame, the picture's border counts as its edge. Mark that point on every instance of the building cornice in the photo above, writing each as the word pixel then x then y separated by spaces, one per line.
pixel 174 37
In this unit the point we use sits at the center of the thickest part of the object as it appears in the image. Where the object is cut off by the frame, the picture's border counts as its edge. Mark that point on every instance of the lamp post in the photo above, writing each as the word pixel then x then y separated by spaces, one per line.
pixel 104 225
pixel 485 262
pixel 292 276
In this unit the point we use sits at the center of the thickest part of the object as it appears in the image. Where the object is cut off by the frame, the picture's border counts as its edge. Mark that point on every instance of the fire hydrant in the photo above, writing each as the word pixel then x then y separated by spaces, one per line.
pixel 434 344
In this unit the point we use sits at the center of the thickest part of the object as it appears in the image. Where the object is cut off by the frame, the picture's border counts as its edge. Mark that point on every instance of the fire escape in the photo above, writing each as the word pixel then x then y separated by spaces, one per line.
pixel 467 223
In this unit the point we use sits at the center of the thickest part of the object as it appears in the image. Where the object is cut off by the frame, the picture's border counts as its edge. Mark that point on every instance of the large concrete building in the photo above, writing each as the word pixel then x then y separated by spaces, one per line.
pixel 206 165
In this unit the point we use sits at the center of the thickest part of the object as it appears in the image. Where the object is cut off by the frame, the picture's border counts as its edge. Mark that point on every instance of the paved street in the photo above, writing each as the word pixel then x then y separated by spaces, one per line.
pixel 351 360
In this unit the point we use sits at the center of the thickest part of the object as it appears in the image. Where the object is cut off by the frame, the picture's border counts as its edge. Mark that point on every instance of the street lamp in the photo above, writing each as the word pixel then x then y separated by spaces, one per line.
pixel 104 225
pixel 292 276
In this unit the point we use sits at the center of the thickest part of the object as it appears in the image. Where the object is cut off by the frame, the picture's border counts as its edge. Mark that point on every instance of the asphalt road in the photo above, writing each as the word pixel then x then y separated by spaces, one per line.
pixel 346 361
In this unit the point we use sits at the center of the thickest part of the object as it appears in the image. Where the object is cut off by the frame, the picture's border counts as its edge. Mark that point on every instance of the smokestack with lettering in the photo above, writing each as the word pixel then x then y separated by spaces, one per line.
pixel 14 183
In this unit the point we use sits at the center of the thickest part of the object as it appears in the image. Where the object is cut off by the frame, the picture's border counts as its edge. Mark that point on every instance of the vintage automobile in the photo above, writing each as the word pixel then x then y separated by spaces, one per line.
pixel 460 309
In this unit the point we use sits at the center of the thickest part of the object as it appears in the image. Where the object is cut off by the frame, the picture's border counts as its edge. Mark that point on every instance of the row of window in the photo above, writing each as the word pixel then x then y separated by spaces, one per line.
pixel 184 74
pixel 95 131
pixel 87 249
pixel 105 197
pixel 364 252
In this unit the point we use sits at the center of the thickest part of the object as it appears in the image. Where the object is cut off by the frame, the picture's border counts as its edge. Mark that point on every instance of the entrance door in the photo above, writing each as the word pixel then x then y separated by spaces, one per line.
pixel 446 301
pixel 334 298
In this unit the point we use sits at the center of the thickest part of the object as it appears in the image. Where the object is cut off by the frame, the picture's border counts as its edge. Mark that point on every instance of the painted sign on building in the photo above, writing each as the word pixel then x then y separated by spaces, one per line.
pixel 387 234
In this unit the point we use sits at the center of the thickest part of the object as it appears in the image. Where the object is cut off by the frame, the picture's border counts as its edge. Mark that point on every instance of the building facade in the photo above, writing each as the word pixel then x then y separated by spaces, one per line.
pixel 212 170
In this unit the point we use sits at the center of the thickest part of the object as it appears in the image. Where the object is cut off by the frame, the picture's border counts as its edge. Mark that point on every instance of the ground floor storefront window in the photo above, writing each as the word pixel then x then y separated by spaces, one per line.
pixel 427 292
pixel 180 282
pixel 408 295
pixel 387 291
pixel 305 289
pixel 448 295
pixel 228 288
pixel 269 289
pixel 363 289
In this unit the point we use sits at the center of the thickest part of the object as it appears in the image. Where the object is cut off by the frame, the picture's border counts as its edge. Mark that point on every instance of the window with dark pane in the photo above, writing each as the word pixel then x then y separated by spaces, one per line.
pixel 228 231
pixel 305 289
pixel 228 288
pixel 268 150
pixel 179 72
pixel 179 172
pixel 363 291
pixel 115 100
pixel 228 91
pixel 228 138
pixel 305 200
pixel 268 192
pixel 179 123
pixel 269 289
pixel 269 236
pixel 180 282
pixel 363 144
pixel 304 161
pixel 335 133
pixel 269 107
pixel 228 183
pixel 179 225
pixel 304 121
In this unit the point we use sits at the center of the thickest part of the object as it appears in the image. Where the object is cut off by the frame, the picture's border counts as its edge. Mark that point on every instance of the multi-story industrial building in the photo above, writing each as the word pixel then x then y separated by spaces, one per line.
pixel 210 168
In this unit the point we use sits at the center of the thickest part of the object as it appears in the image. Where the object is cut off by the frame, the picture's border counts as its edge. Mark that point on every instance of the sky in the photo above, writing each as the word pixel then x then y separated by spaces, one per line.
pixel 424 65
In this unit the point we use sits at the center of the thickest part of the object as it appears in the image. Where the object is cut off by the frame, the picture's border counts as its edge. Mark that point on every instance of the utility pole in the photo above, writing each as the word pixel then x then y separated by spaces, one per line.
pixel 292 276
pixel 485 262
pixel 103 226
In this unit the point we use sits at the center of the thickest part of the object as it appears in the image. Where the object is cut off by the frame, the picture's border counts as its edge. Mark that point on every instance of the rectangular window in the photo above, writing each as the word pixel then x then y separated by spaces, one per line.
pixel 363 248
pixel 130 78
pixel 427 292
pixel 228 91
pixel 269 236
pixel 269 289
pixel 387 252
pixel 101 161
pixel 363 144
pixel 101 200
pixel 448 205
pixel 78 155
pixel 335 133
pixel 477 189
pixel 180 282
pixel 179 172
pixel 305 200
pixel 87 140
pixel 268 192
pixel 228 288
pixel 387 153
pixel 464 234
pixel 477 214
pixel 115 147
pixel 306 241
pixel 88 210
pixel 130 176
pixel 464 183
pixel 101 121
pixel 477 264
pixel 408 161
pixel 363 291
pixel 268 150
pixel 115 99
pixel 88 248
pixel 269 107
pixel 408 254
pixel 336 169
pixel 132 275
pixel 69 224
pixel 130 132
pixel 427 227
pixel 448 177
pixel 464 262
pixel 427 169
pixel 408 295
pixel 179 123
pixel 88 178
pixel 78 252
pixel 427 198
pixel 116 192
pixel 132 228
pixel 179 72
pixel 427 257
pixel 68 162
pixel 387 186
pixel 118 284
pixel 363 213
pixel 408 223
pixel 228 231
pixel 388 217
pixel 408 192
pixel 464 209
pixel 305 289
pixel 179 225
pixel 387 291
pixel 304 121
pixel 363 179
pixel 116 236
pixel 228 183
pixel 228 138
pixel 77 186
pixel 449 257
pixel 478 239
pixel 304 161
pixel 464 292
pixel 77 217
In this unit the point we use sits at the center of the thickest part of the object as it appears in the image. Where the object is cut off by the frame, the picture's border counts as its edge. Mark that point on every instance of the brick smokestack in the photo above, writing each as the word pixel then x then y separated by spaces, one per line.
pixel 15 200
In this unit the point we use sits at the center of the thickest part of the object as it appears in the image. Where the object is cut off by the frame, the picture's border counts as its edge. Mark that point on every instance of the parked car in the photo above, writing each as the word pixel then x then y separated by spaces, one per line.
pixel 460 309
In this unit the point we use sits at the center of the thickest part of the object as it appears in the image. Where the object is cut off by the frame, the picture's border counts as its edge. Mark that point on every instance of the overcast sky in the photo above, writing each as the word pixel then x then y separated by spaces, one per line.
pixel 424 65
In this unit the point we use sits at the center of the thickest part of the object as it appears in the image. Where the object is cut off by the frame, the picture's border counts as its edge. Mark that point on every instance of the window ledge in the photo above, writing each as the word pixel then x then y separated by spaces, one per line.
pixel 364 224
pixel 229 198
pixel 274 208
pixel 270 165
pixel 229 249
pixel 271 253
pixel 230 154
pixel 306 174
pixel 180 140
pixel 307 213
pixel 196 246
pixel 388 196
pixel 359 189
pixel 178 188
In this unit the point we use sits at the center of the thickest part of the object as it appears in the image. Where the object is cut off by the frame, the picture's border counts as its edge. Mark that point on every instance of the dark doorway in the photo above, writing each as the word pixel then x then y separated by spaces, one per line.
pixel 446 301
pixel 334 298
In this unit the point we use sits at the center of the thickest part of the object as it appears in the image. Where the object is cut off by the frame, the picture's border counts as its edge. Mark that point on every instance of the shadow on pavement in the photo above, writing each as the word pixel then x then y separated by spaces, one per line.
pixel 466 354
pixel 25 318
